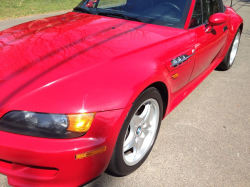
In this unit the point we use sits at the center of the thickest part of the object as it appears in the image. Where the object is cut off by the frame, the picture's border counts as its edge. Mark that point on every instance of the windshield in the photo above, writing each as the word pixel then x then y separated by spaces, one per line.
pixel 171 13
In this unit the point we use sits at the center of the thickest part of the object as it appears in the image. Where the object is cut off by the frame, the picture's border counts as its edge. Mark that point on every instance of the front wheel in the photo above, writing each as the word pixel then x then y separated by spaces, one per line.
pixel 231 54
pixel 138 133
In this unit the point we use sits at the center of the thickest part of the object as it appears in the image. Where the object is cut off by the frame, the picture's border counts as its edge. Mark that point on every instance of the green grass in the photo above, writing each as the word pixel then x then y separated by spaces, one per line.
pixel 19 8
pixel 110 2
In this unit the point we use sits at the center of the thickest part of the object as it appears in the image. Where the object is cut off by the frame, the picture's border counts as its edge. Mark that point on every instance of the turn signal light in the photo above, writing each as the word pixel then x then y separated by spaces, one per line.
pixel 175 76
pixel 91 153
pixel 80 122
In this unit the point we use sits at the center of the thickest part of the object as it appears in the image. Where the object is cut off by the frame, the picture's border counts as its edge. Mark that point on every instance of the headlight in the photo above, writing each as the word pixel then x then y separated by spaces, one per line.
pixel 46 125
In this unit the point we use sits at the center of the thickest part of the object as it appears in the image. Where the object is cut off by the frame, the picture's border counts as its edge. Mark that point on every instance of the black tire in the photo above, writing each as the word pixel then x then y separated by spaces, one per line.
pixel 118 165
pixel 226 64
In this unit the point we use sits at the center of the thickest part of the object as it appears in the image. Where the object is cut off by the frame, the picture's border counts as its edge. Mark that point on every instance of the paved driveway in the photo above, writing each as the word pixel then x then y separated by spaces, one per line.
pixel 205 141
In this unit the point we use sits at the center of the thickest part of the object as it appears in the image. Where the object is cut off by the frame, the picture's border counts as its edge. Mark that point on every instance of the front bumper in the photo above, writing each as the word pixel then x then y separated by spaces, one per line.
pixel 32 161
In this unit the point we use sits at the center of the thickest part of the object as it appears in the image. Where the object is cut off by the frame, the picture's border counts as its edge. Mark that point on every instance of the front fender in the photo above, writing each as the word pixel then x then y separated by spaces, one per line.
pixel 235 22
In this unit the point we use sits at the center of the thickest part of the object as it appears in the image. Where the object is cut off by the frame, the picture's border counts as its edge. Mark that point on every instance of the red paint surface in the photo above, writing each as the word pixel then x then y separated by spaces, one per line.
pixel 218 19
pixel 76 63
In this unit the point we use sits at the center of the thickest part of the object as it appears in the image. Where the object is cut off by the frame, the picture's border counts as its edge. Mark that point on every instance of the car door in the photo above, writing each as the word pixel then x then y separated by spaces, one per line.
pixel 207 44
pixel 180 63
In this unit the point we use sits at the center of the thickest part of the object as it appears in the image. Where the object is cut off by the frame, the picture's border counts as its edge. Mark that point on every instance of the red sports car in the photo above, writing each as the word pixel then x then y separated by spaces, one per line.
pixel 86 91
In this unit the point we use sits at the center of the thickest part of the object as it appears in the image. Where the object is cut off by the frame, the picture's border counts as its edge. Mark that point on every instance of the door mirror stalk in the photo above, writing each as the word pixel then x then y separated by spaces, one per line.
pixel 214 20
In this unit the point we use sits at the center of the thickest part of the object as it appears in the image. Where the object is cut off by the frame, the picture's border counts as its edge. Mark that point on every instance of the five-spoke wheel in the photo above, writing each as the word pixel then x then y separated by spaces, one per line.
pixel 141 132
pixel 138 133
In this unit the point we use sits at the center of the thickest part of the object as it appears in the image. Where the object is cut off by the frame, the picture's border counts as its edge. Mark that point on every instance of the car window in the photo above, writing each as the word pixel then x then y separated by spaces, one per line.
pixel 197 15
pixel 209 7
pixel 171 13
pixel 202 11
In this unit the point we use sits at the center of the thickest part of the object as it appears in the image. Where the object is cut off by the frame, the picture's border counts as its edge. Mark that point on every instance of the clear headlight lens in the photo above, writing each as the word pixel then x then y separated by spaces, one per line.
pixel 46 125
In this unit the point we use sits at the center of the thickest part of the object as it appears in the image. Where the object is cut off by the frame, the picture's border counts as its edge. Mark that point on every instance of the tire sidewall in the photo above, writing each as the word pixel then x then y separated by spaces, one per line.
pixel 225 65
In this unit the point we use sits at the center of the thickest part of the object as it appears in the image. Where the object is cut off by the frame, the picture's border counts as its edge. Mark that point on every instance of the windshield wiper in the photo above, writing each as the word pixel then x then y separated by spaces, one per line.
pixel 118 15
pixel 82 10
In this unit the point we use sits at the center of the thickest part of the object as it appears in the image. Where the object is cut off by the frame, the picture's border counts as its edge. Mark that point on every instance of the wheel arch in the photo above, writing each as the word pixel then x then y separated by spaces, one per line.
pixel 241 28
pixel 162 88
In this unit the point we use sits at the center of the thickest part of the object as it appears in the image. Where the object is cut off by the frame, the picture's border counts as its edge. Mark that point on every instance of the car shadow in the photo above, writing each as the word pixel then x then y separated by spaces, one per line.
pixel 106 179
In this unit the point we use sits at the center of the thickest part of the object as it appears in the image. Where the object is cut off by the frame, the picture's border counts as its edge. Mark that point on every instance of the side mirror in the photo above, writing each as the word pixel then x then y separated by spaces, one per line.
pixel 216 19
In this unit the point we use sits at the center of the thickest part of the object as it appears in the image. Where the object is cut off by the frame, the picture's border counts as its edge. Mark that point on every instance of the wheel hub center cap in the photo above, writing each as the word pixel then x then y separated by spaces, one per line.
pixel 138 131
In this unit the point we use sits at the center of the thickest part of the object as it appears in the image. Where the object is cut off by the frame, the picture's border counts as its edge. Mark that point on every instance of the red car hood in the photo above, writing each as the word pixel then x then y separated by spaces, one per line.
pixel 68 63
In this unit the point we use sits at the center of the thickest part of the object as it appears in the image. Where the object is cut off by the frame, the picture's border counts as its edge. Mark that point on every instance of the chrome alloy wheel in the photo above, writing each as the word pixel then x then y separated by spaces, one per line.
pixel 141 132
pixel 234 48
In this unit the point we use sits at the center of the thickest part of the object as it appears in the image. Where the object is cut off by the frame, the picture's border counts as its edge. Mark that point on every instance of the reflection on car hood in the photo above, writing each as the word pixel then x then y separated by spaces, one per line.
pixel 38 54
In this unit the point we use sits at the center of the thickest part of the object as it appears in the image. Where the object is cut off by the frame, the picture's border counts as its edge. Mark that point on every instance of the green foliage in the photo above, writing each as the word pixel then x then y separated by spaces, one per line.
pixel 18 8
